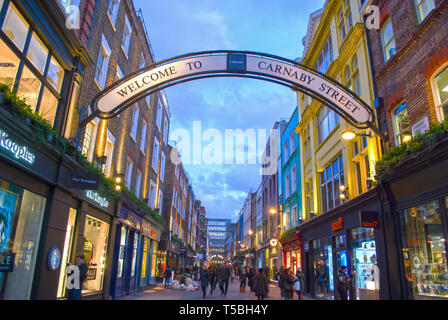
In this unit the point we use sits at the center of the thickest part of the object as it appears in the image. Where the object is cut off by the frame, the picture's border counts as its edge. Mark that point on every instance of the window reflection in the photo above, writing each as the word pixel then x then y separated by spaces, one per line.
pixel 29 88
pixel 37 53
pixel 9 63
pixel 15 27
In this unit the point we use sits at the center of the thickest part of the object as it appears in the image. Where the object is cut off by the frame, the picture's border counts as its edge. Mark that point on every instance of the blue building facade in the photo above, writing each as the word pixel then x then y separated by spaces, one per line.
pixel 291 195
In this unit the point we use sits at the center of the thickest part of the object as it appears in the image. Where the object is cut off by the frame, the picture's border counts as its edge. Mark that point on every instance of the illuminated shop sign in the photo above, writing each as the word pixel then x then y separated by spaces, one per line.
pixel 101 201
pixel 19 152
pixel 338 224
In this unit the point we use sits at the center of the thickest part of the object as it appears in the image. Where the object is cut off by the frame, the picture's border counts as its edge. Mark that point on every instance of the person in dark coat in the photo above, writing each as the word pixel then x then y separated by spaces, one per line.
pixel 301 278
pixel 343 283
pixel 287 283
pixel 75 294
pixel 250 277
pixel 260 285
pixel 223 277
pixel 242 277
pixel 212 278
pixel 204 280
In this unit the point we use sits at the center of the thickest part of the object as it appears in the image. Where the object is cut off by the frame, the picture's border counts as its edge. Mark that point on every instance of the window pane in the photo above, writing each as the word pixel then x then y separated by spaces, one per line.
pixel 424 250
pixel 55 74
pixel 9 63
pixel 15 27
pixel 442 85
pixel 29 87
pixel 37 53
pixel 48 106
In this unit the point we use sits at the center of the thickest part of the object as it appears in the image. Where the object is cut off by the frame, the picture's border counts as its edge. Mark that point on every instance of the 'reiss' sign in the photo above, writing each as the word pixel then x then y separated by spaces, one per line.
pixel 150 79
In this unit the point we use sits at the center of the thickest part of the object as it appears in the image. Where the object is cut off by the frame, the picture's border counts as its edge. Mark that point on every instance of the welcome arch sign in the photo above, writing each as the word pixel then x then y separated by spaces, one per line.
pixel 150 79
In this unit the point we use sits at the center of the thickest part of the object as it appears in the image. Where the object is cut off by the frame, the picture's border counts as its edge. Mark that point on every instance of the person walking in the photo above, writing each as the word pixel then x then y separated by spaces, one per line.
pixel 223 277
pixel 343 283
pixel 204 280
pixel 80 263
pixel 195 273
pixel 300 284
pixel 250 279
pixel 260 285
pixel 167 275
pixel 212 278
pixel 287 283
pixel 242 277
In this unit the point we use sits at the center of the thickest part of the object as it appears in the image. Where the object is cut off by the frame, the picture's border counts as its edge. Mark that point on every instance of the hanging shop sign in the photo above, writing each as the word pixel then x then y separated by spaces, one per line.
pixel 83 180
pixel 12 148
pixel 128 90
pixel 99 200
pixel 54 259
pixel 7 261
pixel 338 224
pixel 273 242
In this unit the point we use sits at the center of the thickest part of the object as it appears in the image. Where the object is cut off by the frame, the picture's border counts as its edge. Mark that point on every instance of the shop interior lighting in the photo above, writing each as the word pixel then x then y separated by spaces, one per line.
pixel 407 138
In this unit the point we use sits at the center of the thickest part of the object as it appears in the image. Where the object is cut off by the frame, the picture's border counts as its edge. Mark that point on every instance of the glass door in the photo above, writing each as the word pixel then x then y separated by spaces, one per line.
pixel 66 252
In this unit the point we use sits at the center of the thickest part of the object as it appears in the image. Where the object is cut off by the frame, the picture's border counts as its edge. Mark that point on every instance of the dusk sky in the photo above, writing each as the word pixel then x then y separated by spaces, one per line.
pixel 177 27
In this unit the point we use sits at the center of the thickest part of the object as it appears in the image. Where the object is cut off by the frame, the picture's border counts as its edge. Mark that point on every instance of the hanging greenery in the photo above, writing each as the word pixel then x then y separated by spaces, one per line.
pixel 288 234
pixel 419 146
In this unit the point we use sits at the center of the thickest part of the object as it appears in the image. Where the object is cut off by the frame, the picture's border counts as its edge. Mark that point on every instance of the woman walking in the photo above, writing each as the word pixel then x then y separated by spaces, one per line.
pixel 260 285
pixel 203 279
pixel 242 276
pixel 212 278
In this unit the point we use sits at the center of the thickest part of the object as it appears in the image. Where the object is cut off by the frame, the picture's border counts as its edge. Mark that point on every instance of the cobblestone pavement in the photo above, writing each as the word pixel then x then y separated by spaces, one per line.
pixel 233 293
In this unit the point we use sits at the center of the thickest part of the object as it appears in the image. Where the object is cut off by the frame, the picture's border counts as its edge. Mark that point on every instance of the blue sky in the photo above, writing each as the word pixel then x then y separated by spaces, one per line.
pixel 177 27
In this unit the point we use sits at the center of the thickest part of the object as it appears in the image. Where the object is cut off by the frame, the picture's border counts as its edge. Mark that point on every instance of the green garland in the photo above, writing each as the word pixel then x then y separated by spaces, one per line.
pixel 287 234
pixel 417 147
pixel 175 239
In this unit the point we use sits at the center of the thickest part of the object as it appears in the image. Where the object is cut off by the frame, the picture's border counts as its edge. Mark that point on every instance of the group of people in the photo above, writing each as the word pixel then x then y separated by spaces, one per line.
pixel 290 283
pixel 258 282
pixel 213 275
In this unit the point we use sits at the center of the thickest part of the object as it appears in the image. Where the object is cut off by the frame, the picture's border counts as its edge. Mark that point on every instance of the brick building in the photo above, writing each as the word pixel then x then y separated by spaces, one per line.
pixel 410 70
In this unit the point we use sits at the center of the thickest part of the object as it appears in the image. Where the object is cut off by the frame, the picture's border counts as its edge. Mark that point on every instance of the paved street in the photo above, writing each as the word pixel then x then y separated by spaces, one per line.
pixel 160 293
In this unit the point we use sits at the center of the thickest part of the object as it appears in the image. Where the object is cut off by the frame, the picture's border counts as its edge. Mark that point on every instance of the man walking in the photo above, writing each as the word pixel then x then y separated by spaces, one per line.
pixel 343 283
pixel 224 276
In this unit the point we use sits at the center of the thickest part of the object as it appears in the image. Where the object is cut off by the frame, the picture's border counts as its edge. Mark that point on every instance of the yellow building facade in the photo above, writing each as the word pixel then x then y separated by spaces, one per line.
pixel 332 167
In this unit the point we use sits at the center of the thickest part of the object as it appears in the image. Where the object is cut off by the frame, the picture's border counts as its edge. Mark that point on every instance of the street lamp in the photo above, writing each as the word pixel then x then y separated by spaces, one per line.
pixel 349 135
pixel 251 232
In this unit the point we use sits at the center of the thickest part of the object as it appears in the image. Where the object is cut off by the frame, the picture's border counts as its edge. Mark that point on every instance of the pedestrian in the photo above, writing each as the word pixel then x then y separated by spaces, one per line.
pixel 260 285
pixel 280 283
pixel 287 283
pixel 300 284
pixel 80 263
pixel 212 278
pixel 242 277
pixel 343 283
pixel 224 280
pixel 204 280
pixel 232 274
pixel 167 275
pixel 195 273
pixel 250 279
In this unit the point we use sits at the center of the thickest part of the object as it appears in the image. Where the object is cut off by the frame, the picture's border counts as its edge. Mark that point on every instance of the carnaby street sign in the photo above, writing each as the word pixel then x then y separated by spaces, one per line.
pixel 128 90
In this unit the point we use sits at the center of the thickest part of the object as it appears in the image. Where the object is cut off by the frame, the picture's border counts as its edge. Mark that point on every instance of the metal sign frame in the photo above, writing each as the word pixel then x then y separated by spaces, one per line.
pixel 232 72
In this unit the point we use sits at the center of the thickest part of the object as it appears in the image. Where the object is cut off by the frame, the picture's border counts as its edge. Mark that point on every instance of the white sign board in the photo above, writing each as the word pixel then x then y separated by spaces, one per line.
pixel 420 127
pixel 128 89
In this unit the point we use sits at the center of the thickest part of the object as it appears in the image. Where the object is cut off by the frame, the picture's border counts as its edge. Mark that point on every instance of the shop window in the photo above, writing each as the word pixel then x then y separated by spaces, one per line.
pixel 16 27
pixel 361 165
pixel 322 260
pixel 122 252
pixel 424 8
pixel 9 64
pixel 145 260
pixel 108 152
pixel 365 263
pixel 402 129
pixel 66 252
pixel 159 115
pixel 307 143
pixel 134 255
pixel 440 84
pixel 21 214
pixel 88 145
pixel 424 250
pixel 387 40
pixel 41 93
pixel 95 247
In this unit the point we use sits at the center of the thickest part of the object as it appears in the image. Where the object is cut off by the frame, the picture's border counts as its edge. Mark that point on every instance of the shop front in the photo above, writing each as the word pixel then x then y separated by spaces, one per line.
pixel 349 236
pixel 149 265
pixel 127 241
pixel 292 254
pixel 417 211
